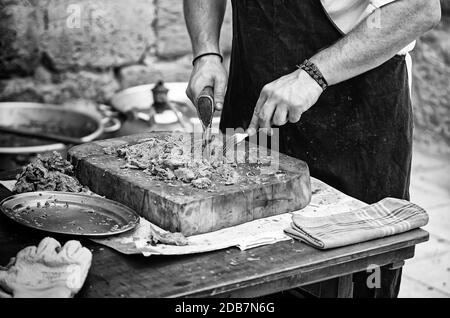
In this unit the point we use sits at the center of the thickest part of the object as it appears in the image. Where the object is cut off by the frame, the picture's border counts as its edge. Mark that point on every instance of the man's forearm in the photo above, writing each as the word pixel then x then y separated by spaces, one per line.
pixel 203 20
pixel 370 45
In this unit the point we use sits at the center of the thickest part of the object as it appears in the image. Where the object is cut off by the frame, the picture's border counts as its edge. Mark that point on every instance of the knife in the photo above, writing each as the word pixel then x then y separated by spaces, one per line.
pixel 205 111
pixel 232 141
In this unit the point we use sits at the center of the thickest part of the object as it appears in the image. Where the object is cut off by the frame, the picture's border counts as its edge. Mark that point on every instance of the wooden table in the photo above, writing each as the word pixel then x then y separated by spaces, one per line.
pixel 225 273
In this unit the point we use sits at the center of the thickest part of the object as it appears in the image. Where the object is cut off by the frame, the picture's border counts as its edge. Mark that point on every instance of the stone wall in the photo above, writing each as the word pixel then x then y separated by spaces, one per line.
pixel 55 50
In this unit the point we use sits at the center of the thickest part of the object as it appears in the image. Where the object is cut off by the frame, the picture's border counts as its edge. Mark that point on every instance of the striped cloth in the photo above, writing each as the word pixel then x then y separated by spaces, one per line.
pixel 387 217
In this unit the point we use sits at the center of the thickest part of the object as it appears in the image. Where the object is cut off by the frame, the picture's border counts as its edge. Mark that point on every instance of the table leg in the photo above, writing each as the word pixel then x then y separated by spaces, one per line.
pixel 345 286
pixel 396 265
pixel 340 287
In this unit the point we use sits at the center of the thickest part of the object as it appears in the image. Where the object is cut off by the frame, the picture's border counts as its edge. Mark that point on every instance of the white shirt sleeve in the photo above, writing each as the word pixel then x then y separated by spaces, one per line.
pixel 379 3
pixel 346 14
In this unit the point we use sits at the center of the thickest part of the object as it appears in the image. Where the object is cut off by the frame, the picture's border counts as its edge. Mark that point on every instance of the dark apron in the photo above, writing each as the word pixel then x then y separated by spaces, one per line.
pixel 357 137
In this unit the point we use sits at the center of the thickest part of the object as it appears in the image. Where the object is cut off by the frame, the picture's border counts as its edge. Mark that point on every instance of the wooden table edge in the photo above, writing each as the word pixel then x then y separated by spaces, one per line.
pixel 227 288
pixel 284 273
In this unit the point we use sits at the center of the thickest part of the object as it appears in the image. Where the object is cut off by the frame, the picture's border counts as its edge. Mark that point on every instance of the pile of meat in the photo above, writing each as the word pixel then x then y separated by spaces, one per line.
pixel 51 172
pixel 48 172
pixel 171 158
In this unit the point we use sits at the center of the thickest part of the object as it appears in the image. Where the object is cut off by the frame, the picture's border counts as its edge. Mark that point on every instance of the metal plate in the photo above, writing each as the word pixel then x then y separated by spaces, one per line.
pixel 69 213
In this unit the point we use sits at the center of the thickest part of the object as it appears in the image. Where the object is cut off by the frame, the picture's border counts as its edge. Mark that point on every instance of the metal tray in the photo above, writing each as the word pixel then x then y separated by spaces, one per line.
pixel 69 213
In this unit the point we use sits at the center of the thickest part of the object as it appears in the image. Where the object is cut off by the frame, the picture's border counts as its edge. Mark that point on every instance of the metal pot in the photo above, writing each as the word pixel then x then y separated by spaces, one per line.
pixel 139 99
pixel 17 150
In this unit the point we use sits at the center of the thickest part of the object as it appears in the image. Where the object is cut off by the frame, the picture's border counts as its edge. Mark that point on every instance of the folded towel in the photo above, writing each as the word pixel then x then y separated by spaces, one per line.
pixel 387 217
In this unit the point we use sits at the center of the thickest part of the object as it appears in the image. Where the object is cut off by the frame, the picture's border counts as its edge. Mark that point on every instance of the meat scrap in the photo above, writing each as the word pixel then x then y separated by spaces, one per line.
pixel 185 174
pixel 49 172
pixel 202 183
pixel 170 158
pixel 167 238
pixel 228 174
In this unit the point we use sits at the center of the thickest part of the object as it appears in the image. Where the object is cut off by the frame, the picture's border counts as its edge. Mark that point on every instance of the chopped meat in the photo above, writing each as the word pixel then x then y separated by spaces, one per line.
pixel 184 174
pixel 162 174
pixel 204 173
pixel 202 183
pixel 170 238
pixel 167 238
pixel 173 164
pixel 48 173
pixel 228 174
pixel 170 158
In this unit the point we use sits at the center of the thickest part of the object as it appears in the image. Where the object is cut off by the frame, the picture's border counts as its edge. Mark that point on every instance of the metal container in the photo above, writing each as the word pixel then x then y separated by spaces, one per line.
pixel 69 213
pixel 16 151
pixel 139 99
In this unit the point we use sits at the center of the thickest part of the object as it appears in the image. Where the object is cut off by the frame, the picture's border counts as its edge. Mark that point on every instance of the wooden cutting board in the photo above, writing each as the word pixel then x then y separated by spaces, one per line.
pixel 179 207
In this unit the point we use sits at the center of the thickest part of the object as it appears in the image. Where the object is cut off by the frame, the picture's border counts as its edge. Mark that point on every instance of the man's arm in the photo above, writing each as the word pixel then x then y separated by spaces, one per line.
pixel 371 44
pixel 361 50
pixel 203 20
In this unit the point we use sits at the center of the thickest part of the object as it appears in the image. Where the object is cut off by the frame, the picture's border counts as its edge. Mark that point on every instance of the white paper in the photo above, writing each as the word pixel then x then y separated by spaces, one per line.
pixel 325 201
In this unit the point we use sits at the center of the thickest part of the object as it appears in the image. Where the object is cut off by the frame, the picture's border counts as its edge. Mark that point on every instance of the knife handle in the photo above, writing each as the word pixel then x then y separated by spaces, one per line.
pixel 206 96
pixel 206 105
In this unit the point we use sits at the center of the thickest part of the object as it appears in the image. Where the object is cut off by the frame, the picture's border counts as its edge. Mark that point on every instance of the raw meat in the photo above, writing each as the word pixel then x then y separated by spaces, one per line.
pixel 201 183
pixel 171 158
pixel 167 238
pixel 48 173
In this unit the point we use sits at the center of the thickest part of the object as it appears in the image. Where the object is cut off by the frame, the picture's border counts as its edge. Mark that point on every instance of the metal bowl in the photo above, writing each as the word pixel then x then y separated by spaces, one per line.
pixel 140 97
pixel 48 118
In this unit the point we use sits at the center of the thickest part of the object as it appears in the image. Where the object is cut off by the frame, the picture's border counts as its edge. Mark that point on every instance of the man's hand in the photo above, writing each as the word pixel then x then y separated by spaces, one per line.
pixel 208 71
pixel 203 20
pixel 283 100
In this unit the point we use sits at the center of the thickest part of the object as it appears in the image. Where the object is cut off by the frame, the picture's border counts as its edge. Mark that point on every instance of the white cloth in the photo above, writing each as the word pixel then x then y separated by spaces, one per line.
pixel 346 14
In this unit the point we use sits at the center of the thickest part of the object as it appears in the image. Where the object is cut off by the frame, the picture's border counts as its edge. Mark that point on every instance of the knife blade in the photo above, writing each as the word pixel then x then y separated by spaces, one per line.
pixel 232 141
